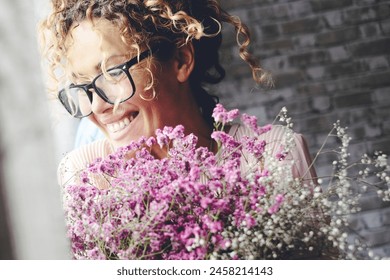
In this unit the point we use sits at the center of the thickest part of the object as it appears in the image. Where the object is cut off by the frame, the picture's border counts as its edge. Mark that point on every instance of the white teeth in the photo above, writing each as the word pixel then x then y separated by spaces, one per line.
pixel 115 127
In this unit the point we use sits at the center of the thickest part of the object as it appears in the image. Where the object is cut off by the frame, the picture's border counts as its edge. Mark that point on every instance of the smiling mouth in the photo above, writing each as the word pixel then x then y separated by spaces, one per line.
pixel 120 125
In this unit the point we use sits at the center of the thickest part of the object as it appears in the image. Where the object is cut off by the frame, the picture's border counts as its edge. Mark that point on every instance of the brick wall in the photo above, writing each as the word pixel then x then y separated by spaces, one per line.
pixel 331 61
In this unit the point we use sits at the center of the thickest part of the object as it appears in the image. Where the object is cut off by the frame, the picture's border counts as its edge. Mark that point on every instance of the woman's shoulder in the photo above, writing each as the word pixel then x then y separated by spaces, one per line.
pixel 77 160
pixel 277 132
pixel 277 139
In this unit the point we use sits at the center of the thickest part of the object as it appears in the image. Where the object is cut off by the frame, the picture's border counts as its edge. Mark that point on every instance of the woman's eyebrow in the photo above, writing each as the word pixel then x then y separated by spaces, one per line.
pixel 114 59
pixel 80 77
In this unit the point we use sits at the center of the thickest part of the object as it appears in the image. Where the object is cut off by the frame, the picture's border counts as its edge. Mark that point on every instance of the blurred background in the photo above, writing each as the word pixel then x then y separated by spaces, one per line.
pixel 330 60
pixel 31 218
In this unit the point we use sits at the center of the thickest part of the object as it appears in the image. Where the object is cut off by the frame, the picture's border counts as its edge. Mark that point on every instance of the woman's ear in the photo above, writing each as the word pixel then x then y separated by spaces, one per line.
pixel 184 62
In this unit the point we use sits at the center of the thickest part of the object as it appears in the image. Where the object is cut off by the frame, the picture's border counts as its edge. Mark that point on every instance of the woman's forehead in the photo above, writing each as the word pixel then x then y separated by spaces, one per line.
pixel 99 30
pixel 90 45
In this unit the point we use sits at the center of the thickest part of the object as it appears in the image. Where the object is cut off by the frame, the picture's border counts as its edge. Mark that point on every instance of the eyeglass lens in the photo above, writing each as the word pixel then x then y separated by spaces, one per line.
pixel 113 87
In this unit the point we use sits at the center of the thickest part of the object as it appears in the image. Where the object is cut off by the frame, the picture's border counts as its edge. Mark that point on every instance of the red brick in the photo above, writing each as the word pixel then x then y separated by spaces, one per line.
pixel 309 58
pixel 373 47
pixel 352 100
pixel 338 37
pixel 301 26
pixel 345 69
pixel 324 5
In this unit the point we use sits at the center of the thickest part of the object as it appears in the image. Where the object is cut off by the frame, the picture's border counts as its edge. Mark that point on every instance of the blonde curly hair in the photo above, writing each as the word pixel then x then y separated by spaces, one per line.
pixel 167 24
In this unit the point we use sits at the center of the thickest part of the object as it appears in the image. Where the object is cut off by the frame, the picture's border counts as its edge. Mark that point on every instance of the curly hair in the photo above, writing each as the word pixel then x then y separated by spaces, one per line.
pixel 167 24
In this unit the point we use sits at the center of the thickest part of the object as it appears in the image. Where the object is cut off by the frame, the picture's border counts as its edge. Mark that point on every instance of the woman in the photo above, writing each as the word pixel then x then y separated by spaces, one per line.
pixel 132 66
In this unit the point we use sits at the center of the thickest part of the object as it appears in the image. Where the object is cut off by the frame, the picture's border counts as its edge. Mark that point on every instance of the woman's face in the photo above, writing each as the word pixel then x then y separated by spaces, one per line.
pixel 91 45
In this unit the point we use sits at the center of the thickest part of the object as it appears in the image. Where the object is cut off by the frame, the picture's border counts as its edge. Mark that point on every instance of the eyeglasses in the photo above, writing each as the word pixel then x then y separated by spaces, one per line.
pixel 113 86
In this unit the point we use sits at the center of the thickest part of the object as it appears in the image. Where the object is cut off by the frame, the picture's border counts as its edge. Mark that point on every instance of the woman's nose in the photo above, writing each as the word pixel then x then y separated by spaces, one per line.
pixel 98 105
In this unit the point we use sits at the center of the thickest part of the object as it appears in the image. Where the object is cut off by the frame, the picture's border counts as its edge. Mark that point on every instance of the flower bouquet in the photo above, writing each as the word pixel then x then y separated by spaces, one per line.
pixel 242 202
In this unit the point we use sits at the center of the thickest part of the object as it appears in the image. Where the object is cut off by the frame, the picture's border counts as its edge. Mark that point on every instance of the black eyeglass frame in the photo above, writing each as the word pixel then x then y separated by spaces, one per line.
pixel 86 87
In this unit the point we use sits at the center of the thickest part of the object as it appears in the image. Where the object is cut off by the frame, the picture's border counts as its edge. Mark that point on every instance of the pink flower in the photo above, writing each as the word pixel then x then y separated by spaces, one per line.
pixel 250 121
pixel 281 154
pixel 213 226
pixel 275 207
pixel 221 115
pixel 162 139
